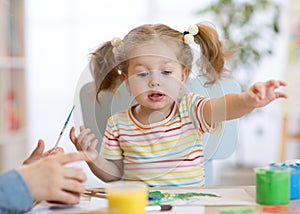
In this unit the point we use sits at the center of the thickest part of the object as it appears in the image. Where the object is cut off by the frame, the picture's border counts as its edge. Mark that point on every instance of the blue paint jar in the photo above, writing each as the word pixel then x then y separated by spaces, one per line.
pixel 294 176
pixel 295 181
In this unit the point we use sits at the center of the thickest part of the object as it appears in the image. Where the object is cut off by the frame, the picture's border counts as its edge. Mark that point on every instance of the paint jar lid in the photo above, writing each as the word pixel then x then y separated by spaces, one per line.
pixel 295 162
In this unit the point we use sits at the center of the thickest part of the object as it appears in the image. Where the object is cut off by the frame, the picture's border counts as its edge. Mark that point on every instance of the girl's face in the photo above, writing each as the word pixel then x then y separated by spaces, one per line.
pixel 155 81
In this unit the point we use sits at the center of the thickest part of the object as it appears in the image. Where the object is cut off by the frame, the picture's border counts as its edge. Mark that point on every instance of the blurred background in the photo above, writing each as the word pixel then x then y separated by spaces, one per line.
pixel 45 47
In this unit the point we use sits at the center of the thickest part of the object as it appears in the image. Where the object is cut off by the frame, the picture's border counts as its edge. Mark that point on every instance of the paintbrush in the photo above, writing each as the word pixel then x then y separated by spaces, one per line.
pixel 64 127
pixel 163 207
pixel 149 209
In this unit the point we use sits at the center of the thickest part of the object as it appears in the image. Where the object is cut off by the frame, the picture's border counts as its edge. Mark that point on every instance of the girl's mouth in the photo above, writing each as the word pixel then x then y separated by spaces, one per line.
pixel 156 96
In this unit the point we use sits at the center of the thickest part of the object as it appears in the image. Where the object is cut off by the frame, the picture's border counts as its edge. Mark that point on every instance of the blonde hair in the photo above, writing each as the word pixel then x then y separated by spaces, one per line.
pixel 107 62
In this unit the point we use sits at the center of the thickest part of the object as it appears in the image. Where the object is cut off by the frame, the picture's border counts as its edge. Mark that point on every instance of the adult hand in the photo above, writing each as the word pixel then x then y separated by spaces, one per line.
pixel 49 178
pixel 39 153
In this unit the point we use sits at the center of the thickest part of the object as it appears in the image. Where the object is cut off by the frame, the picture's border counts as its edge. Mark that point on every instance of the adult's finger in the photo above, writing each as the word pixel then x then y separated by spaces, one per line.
pixel 39 148
pixel 57 150
pixel 54 151
pixel 73 186
pixel 71 157
pixel 75 174
pixel 36 153
pixel 66 197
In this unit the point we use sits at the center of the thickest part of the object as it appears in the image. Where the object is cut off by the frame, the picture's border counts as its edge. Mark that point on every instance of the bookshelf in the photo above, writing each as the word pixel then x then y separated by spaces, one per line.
pixel 13 131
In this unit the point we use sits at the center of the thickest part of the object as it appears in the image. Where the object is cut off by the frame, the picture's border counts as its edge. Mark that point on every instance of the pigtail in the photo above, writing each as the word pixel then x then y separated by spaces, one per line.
pixel 213 53
pixel 104 69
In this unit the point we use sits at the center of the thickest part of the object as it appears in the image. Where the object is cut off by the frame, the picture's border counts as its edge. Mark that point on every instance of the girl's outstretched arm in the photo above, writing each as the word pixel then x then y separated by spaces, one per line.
pixel 232 106
pixel 106 170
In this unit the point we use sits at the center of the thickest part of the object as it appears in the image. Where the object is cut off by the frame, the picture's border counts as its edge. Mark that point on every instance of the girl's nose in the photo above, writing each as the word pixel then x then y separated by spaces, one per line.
pixel 154 80
pixel 153 84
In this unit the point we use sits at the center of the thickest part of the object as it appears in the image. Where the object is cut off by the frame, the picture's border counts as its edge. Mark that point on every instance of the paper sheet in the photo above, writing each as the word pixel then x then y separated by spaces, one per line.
pixel 227 197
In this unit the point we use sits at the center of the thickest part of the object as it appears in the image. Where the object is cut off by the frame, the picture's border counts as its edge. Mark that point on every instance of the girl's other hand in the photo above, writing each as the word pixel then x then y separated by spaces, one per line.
pixel 85 141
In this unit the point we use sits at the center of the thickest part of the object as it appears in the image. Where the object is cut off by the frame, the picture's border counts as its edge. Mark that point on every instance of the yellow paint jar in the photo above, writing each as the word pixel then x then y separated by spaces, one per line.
pixel 126 197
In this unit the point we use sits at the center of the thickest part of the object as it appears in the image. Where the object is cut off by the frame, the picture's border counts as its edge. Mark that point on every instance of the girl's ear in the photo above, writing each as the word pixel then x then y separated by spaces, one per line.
pixel 124 78
pixel 185 74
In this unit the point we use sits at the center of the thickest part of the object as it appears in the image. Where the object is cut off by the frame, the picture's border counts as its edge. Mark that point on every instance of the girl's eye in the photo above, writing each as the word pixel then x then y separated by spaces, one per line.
pixel 142 74
pixel 166 72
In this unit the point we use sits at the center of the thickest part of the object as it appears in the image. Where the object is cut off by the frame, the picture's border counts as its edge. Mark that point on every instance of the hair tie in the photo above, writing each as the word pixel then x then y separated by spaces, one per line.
pixel 188 37
pixel 115 42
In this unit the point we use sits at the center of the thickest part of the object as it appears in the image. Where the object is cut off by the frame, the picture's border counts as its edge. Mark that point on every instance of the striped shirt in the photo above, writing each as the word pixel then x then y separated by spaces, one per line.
pixel 166 153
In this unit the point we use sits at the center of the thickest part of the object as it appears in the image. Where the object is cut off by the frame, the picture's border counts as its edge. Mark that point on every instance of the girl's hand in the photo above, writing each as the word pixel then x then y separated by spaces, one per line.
pixel 262 93
pixel 85 141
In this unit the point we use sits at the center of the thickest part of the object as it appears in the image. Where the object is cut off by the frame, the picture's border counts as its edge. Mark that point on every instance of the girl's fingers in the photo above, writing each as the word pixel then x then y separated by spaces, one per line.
pixel 258 91
pixel 276 83
pixel 72 134
pixel 94 143
pixel 273 83
pixel 85 141
pixel 83 134
pixel 81 128
pixel 88 139
pixel 282 83
pixel 280 94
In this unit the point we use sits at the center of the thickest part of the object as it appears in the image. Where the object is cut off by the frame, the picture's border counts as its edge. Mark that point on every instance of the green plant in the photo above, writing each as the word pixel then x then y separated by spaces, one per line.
pixel 248 26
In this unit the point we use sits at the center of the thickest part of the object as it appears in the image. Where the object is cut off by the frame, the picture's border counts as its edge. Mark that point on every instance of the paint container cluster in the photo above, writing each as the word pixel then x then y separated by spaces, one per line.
pixel 294 167
pixel 278 183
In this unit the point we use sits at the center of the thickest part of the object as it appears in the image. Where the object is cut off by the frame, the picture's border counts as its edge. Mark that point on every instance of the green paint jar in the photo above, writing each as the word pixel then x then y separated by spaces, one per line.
pixel 272 186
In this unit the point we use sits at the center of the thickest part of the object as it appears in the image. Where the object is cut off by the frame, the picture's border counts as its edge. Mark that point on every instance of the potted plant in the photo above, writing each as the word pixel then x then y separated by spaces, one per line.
pixel 249 27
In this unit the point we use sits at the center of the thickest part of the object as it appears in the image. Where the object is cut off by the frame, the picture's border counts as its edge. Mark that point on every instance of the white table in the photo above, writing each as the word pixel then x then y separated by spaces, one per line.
pixel 93 205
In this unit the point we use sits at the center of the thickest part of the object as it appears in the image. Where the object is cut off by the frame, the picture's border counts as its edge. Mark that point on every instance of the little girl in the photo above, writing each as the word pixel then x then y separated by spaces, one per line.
pixel 159 139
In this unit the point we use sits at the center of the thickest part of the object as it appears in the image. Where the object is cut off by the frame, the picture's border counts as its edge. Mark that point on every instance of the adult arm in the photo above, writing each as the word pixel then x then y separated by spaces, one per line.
pixel 14 193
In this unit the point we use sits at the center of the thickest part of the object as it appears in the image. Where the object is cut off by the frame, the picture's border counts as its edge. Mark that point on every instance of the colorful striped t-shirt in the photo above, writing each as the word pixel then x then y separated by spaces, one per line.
pixel 166 153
